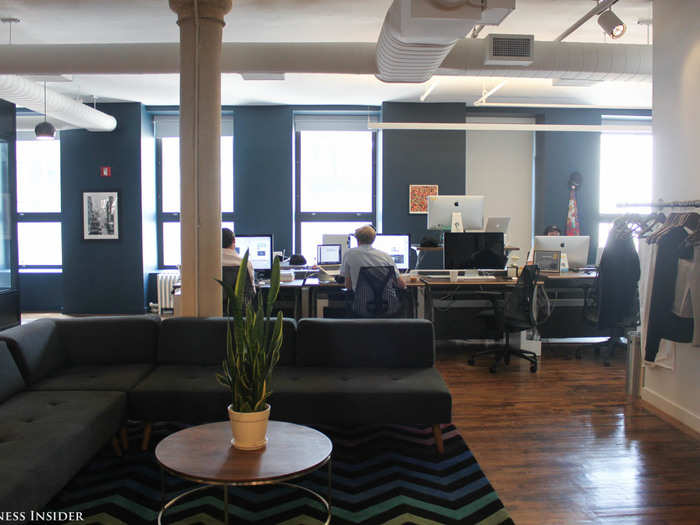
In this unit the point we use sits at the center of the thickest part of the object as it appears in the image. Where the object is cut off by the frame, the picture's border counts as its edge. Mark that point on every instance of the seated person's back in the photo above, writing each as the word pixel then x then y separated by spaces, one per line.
pixel 229 257
pixel 365 255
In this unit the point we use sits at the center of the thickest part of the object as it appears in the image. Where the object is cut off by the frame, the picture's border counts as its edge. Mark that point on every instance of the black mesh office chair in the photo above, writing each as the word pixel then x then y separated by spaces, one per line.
pixel 229 274
pixel 524 307
pixel 377 293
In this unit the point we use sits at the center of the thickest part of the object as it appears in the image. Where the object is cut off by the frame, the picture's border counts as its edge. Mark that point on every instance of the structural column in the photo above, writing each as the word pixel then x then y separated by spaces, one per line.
pixel 201 23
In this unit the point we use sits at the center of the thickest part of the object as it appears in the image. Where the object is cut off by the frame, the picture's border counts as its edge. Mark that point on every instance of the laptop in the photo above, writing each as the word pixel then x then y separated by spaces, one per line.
pixel 498 224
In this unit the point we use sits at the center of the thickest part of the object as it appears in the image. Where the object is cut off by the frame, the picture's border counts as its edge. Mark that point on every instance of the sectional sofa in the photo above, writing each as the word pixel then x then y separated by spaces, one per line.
pixel 67 386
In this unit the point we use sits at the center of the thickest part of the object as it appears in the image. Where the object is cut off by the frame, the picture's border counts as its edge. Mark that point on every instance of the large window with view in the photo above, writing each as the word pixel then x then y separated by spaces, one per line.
pixel 39 205
pixel 335 178
pixel 168 184
pixel 625 175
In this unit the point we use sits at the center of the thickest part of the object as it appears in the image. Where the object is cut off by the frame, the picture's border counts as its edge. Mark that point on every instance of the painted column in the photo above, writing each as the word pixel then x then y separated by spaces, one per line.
pixel 201 24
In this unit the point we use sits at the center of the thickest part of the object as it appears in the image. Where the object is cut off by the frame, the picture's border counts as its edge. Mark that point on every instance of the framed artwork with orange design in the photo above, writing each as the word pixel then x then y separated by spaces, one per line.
pixel 418 197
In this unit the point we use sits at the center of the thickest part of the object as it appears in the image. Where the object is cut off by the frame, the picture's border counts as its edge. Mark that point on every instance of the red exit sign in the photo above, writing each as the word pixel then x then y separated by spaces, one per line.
pixel 105 171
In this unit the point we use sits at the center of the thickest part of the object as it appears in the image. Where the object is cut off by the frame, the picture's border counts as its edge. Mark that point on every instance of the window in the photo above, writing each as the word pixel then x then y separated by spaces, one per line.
pixel 39 205
pixel 625 174
pixel 335 178
pixel 168 184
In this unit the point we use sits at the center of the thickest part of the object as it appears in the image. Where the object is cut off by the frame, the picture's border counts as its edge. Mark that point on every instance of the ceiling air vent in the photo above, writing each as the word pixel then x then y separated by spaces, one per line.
pixel 509 50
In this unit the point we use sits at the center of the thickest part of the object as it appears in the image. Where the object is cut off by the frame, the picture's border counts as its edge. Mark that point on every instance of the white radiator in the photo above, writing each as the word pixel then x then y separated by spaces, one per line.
pixel 166 280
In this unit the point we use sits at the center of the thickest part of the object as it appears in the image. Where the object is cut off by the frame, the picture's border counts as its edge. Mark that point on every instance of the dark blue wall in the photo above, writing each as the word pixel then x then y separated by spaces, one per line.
pixel 103 277
pixel 41 292
pixel 419 157
pixel 149 225
pixel 262 144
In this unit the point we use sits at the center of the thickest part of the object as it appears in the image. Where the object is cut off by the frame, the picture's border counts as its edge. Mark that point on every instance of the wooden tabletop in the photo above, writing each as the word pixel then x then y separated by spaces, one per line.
pixel 204 454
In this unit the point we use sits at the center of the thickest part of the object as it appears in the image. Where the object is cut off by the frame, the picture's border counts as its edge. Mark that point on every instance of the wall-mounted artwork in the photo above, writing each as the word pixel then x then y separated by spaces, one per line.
pixel 418 197
pixel 100 215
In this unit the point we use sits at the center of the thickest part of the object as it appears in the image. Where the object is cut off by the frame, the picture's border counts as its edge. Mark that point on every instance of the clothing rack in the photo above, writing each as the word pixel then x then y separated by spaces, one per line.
pixel 662 204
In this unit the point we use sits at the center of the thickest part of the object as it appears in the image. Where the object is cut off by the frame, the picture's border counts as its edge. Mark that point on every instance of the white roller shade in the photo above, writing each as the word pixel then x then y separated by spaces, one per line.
pixel 334 122
pixel 169 126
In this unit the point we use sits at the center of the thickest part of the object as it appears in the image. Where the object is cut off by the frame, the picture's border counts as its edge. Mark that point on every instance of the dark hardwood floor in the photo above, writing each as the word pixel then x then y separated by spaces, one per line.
pixel 563 446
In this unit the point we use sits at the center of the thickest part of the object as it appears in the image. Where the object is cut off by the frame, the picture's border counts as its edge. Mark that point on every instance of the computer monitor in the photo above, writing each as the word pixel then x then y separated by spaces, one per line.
pixel 575 246
pixel 396 245
pixel 328 254
pixel 259 247
pixel 497 224
pixel 337 238
pixel 441 208
pixel 474 250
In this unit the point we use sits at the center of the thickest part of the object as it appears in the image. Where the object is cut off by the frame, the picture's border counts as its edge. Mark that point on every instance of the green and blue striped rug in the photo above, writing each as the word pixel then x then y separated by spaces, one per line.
pixel 387 474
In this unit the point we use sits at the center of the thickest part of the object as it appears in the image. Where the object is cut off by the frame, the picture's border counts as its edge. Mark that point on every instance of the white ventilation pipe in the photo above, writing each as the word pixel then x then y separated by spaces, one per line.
pixel 417 35
pixel 27 94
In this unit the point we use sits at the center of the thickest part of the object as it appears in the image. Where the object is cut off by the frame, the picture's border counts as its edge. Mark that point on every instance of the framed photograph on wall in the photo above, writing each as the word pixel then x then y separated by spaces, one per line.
pixel 100 215
pixel 418 197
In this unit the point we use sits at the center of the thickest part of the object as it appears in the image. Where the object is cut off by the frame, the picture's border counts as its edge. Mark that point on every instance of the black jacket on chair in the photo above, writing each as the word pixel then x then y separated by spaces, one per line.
pixel 618 283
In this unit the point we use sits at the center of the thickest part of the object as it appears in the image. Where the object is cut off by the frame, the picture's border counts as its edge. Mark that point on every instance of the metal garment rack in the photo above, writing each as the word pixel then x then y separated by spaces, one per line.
pixel 662 204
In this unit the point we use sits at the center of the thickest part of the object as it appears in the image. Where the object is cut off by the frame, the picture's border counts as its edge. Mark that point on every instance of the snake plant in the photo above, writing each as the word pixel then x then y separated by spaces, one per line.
pixel 253 342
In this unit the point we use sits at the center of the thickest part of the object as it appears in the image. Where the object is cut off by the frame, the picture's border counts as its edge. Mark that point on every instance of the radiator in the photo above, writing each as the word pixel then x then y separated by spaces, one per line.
pixel 166 280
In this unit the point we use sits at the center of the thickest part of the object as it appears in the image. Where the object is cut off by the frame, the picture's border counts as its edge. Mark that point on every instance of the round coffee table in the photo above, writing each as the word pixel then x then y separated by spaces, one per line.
pixel 204 454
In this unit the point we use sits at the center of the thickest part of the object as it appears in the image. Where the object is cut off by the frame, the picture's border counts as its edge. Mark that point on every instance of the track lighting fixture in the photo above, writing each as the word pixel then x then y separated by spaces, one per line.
pixel 45 130
pixel 611 24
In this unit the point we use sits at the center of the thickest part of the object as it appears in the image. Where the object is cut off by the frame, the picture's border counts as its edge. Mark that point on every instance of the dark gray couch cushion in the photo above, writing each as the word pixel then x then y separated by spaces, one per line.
pixel 187 393
pixel 362 343
pixel 110 339
pixel 365 396
pixel 11 380
pixel 47 437
pixel 186 340
pixel 35 347
pixel 117 378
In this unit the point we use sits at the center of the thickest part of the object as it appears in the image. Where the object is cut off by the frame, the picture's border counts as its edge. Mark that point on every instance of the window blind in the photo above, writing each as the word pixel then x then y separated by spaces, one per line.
pixel 333 122
pixel 169 126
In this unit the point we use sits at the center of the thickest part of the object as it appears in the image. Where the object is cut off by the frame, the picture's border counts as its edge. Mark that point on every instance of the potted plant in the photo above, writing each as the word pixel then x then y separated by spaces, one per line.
pixel 253 343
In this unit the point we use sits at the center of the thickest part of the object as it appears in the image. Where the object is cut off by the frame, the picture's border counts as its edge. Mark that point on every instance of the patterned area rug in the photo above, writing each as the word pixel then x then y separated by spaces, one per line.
pixel 387 474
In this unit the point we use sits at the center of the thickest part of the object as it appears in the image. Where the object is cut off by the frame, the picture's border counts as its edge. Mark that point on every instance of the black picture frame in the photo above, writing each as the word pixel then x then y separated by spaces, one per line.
pixel 100 215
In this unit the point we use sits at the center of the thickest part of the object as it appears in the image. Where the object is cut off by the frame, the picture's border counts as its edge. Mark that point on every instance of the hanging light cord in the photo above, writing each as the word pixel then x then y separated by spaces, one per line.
pixel 45 117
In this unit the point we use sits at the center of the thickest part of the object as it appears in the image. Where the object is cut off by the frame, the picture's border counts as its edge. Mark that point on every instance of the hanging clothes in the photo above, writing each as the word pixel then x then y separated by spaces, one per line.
pixel 618 280
pixel 663 323
pixel 572 225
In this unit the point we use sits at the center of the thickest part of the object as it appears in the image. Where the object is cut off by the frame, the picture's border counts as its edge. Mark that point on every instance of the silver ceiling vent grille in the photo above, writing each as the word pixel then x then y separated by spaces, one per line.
pixel 509 50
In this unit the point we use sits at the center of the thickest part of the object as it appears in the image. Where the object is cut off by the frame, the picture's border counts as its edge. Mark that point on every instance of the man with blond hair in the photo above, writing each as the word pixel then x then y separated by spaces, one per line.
pixel 365 255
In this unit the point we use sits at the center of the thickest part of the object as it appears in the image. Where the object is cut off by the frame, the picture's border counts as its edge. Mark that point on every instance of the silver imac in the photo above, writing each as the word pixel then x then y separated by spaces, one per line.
pixel 441 208
pixel 575 246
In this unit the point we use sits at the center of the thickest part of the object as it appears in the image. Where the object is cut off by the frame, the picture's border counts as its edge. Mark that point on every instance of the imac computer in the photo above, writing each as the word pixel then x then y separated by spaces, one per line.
pixel 575 246
pixel 259 248
pixel 441 210
pixel 474 250
pixel 328 254
pixel 398 246
pixel 337 238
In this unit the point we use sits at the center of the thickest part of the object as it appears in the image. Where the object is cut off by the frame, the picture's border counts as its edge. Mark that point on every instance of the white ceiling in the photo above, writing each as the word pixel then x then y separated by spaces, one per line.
pixel 122 21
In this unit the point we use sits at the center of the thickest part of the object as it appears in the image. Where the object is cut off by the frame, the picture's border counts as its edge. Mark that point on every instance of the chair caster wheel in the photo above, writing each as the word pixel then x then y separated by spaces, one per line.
pixel 492 369
pixel 533 368
pixel 470 362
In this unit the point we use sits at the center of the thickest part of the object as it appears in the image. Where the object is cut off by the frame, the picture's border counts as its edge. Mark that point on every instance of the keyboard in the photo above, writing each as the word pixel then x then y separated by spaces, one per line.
pixel 330 269
pixel 475 277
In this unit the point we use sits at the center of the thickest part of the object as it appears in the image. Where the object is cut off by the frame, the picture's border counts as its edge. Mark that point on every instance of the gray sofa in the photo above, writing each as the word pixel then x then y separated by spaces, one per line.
pixel 67 386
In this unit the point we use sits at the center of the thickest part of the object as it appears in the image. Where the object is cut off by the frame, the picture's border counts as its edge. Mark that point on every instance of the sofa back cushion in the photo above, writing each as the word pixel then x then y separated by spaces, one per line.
pixel 36 348
pixel 202 341
pixel 109 339
pixel 11 380
pixel 366 343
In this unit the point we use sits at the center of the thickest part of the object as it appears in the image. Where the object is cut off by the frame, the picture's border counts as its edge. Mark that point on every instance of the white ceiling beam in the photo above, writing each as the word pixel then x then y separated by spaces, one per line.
pixel 505 126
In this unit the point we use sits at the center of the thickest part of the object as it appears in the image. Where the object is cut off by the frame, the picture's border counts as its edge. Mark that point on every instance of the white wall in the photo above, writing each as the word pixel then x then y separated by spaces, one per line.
pixel 676 109
pixel 500 166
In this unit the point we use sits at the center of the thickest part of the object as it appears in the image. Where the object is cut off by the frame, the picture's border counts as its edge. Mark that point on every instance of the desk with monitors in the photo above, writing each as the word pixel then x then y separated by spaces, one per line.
pixel 259 248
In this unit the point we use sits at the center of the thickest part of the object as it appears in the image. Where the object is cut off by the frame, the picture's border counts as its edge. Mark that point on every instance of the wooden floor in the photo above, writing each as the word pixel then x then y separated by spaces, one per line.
pixel 562 446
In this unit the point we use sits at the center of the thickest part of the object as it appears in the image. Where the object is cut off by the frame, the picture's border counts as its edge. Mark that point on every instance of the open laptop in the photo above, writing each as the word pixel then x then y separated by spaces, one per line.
pixel 498 224
pixel 329 258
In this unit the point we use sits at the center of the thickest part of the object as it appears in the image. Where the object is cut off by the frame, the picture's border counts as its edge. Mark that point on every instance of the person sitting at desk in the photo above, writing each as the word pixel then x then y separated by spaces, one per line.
pixel 229 257
pixel 365 255
pixel 552 230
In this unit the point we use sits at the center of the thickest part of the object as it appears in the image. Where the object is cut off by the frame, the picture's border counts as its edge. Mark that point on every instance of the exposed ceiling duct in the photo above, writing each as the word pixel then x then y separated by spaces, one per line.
pixel 417 35
pixel 563 60
pixel 28 94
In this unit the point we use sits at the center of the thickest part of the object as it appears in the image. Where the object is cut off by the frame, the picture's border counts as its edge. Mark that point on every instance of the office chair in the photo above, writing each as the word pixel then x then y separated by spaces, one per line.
pixel 229 274
pixel 377 293
pixel 524 307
